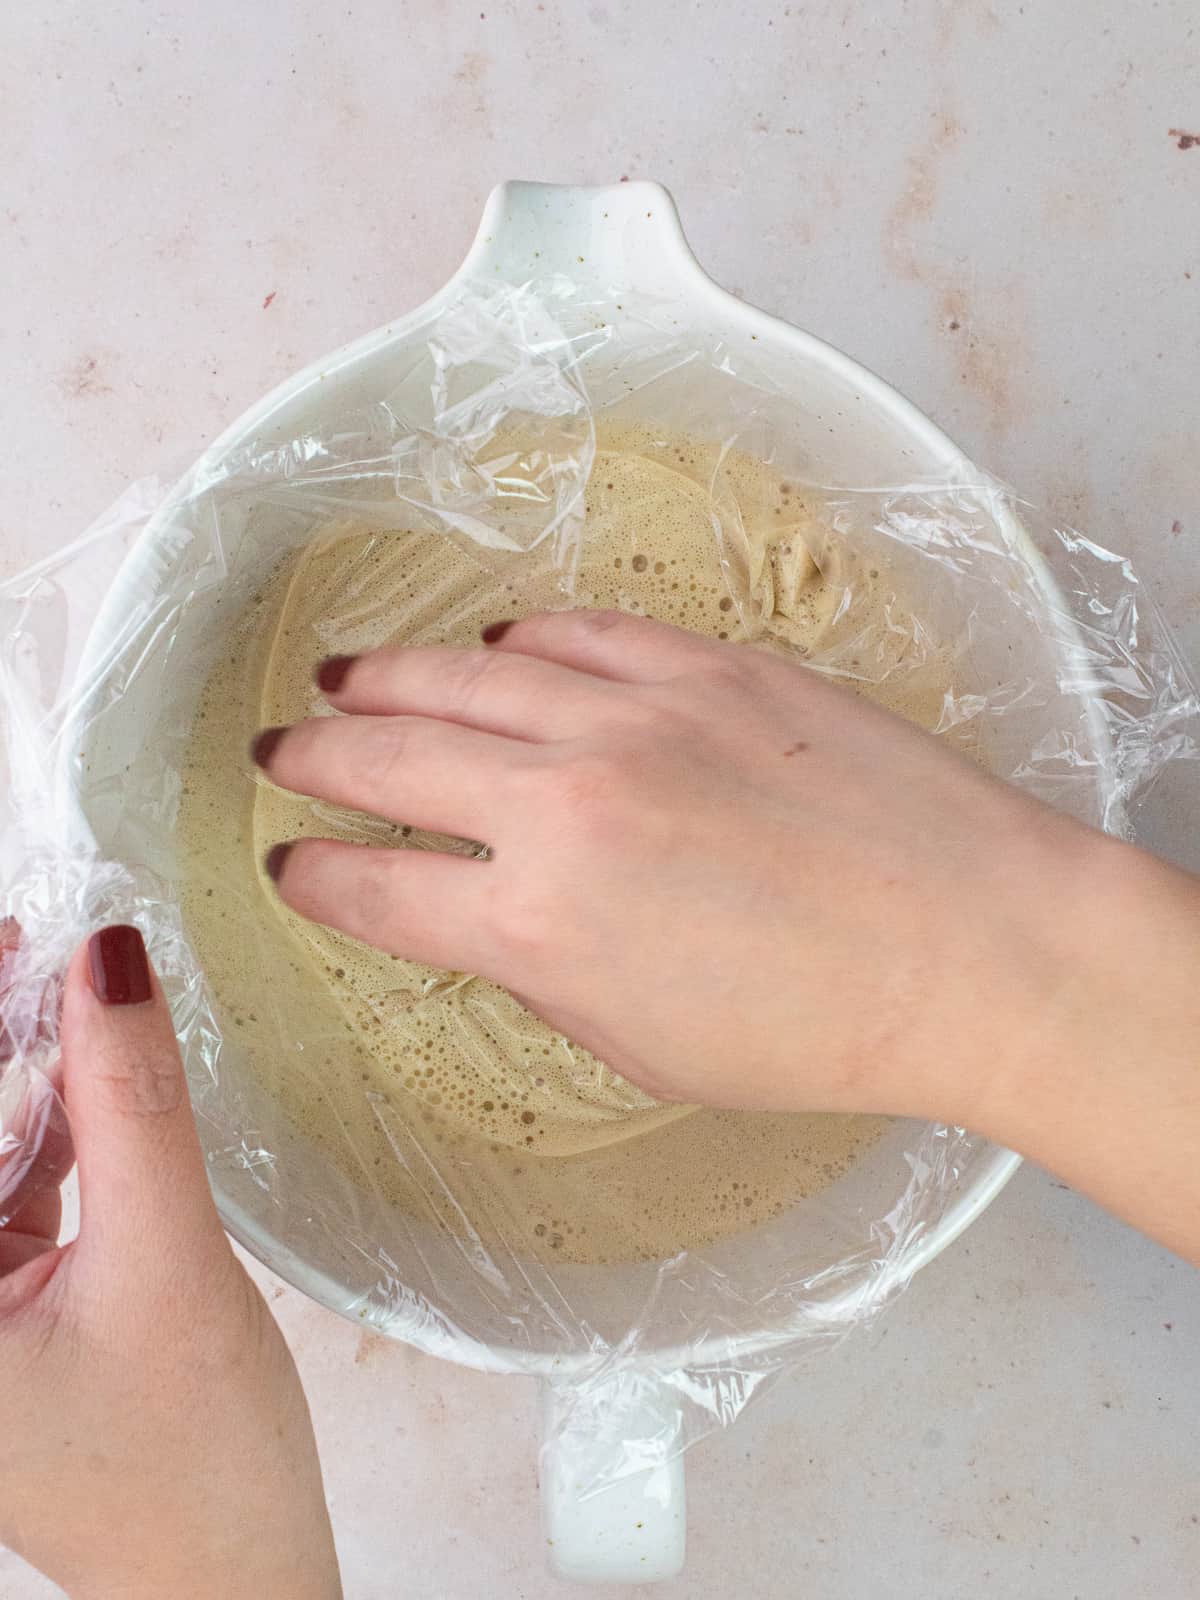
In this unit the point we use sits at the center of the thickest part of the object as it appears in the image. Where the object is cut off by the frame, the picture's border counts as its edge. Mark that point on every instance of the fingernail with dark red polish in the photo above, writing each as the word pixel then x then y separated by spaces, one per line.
pixel 263 747
pixel 274 859
pixel 331 674
pixel 495 631
pixel 118 967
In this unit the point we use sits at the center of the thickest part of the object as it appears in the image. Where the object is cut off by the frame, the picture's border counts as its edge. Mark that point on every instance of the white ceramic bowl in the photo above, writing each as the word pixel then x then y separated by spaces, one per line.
pixel 624 246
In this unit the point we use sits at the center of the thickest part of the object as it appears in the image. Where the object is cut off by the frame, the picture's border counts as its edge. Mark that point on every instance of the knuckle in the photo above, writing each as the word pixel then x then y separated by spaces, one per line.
pixel 589 784
pixel 526 917
pixel 598 621
pixel 384 759
pixel 385 751
pixel 464 674
pixel 732 669
pixel 371 893
pixel 649 713
pixel 140 1082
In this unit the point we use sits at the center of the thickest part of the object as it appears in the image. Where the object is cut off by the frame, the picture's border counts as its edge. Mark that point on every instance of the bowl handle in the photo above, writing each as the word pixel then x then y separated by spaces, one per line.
pixel 605 239
pixel 614 1504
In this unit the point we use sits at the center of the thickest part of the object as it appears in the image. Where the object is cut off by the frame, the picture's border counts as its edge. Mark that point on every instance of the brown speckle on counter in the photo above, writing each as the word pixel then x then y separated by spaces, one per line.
pixel 85 379
pixel 369 1345
pixel 1186 141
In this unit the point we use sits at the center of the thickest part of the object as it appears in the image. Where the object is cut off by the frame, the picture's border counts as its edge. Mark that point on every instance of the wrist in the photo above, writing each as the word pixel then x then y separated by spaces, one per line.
pixel 1114 1002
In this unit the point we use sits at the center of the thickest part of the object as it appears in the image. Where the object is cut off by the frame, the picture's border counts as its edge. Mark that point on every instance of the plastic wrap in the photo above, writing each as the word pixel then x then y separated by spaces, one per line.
pixel 481 429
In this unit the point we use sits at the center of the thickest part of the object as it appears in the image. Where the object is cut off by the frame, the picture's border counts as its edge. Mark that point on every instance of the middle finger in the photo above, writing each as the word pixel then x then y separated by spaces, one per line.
pixel 414 770
pixel 518 696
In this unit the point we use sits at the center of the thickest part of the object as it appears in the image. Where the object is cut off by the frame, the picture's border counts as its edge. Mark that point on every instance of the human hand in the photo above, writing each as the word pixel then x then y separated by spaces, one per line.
pixel 727 877
pixel 156 1439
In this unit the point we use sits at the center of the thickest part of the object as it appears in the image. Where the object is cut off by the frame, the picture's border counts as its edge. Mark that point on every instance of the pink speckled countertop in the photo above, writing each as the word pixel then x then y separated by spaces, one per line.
pixel 986 203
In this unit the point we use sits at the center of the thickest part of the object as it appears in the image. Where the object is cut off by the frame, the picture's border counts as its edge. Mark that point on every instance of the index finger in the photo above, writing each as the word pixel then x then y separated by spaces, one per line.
pixel 414 770
pixel 516 696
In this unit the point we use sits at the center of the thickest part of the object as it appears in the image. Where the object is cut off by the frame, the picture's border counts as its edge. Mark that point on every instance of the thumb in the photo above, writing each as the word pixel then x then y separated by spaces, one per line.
pixel 143 1187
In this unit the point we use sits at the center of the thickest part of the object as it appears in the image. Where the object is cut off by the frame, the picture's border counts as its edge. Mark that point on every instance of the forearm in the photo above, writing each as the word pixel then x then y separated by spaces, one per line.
pixel 1110 1102
pixel 257 1574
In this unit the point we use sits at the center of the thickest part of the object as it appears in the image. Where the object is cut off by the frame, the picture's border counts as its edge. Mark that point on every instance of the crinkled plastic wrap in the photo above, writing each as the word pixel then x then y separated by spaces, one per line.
pixel 480 427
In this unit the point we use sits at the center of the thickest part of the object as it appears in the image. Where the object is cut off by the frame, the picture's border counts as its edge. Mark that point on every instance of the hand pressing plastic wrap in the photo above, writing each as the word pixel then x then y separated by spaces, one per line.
pixel 412 1147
